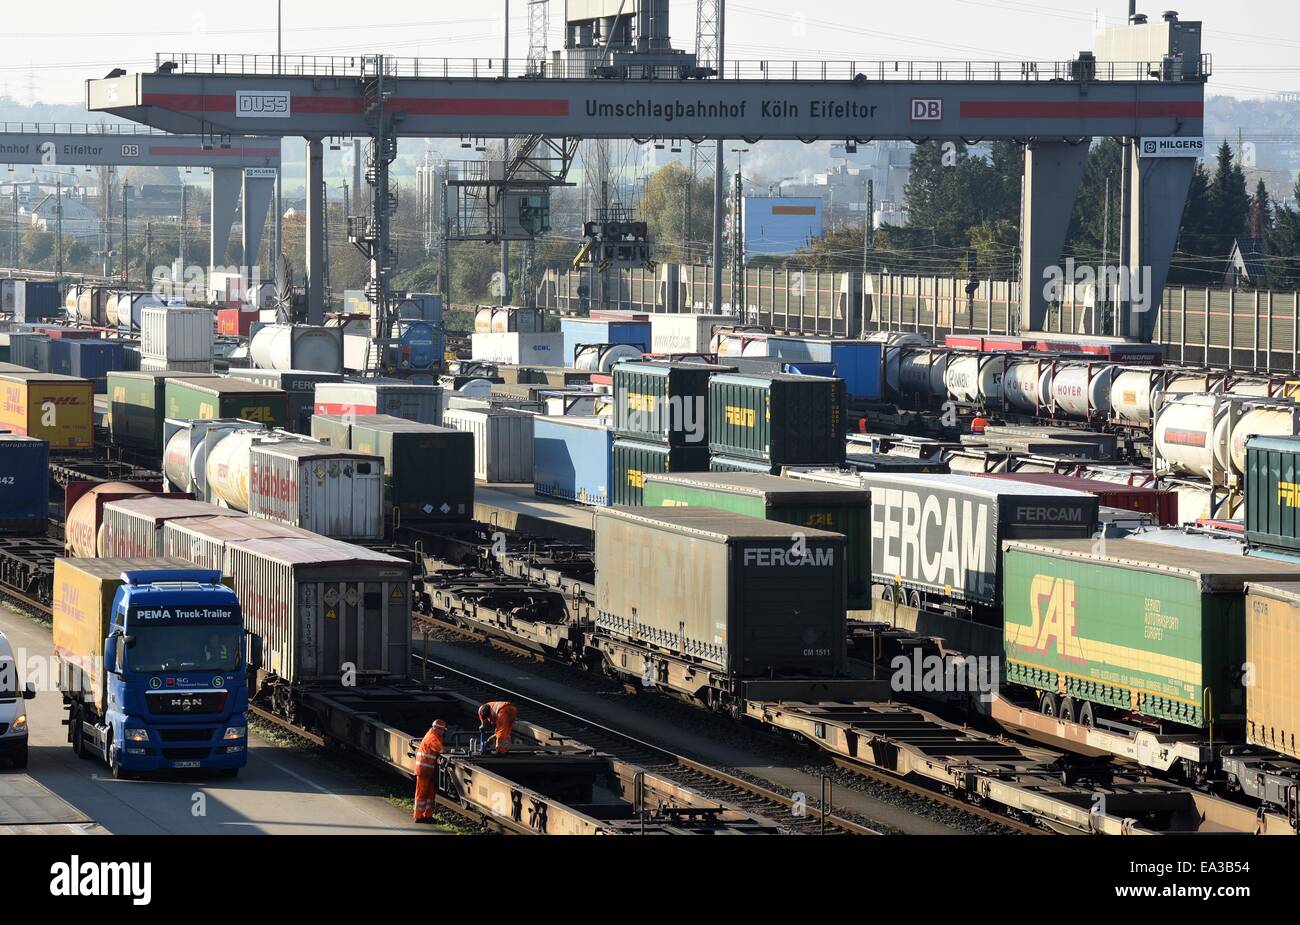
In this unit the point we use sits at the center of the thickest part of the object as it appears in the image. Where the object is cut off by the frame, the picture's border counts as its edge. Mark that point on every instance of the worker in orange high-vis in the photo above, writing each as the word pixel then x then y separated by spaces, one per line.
pixel 502 714
pixel 426 770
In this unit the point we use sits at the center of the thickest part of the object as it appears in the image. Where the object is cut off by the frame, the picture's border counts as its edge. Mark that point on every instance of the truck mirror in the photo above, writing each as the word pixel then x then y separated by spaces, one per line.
pixel 254 651
pixel 113 653
pixel 29 691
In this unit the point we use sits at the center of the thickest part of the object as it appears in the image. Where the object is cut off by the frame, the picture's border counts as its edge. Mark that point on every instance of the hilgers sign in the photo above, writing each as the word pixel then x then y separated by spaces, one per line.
pixel 262 104
pixel 1172 146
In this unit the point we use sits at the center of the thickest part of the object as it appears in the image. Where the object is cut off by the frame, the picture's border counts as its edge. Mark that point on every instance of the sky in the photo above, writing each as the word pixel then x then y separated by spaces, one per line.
pixel 48 51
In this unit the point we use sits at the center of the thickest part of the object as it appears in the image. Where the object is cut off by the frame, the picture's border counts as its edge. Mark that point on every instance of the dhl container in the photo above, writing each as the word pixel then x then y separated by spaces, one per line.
pixel 1272 654
pixel 782 419
pixel 320 605
pixel 57 409
pixel 635 460
pixel 205 399
pixel 136 407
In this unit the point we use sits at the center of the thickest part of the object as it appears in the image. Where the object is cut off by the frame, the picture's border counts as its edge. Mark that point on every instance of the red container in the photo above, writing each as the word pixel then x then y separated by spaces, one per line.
pixel 58 332
pixel 1162 505
pixel 234 323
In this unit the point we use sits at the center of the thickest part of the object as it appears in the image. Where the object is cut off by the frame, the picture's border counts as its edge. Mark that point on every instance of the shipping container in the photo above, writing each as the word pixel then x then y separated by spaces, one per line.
pixel 778 419
pixel 320 605
pixel 573 459
pixel 34 300
pixel 1273 652
pixel 176 333
pixel 503 442
pixel 136 408
pixel 206 541
pixel 718 463
pixel 507 318
pixel 1161 505
pixel 722 589
pixel 334 429
pixel 235 322
pixel 553 376
pixel 1273 494
pixel 297 346
pixel 85 514
pixel 667 402
pixel 57 409
pixel 84 590
pixel 299 387
pixel 92 305
pixel 93 360
pixel 202 399
pixel 517 348
pixel 214 460
pixel 133 526
pixel 857 362
pixel 578 331
pixel 941 534
pixel 840 509
pixel 186 367
pixel 1137 627
pixel 24 484
pixel 29 349
pixel 412 401
pixel 635 460
pixel 673 333
pixel 428 470
pixel 126 308
pixel 334 492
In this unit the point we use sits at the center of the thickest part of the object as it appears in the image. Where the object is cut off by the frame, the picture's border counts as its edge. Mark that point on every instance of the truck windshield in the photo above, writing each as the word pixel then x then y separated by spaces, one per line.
pixel 184 648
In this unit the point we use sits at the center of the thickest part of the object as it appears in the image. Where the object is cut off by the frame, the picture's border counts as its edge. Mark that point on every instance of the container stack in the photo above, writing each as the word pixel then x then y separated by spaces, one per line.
pixel 136 403
pixel 761 423
pixel 661 421
pixel 176 339
pixel 603 331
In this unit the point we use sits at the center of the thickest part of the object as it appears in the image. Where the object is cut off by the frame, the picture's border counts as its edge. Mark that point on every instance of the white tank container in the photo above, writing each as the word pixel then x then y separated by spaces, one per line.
pixel 1259 422
pixel 1133 391
pixel 740 344
pixel 1189 438
pixel 975 378
pixel 297 346
pixel 503 443
pixel 1260 388
pixel 172 333
pixel 503 319
pixel 1027 385
pixel 916 371
pixel 227 468
pixel 897 339
pixel 602 358
pixel 1083 390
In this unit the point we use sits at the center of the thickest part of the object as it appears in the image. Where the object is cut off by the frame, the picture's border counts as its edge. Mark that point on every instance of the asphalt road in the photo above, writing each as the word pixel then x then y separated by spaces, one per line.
pixel 281 792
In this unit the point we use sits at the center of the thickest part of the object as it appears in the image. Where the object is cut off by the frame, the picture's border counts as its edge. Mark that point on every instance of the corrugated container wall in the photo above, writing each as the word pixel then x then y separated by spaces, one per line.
pixel 57 409
pixel 503 443
pixel 320 606
pixel 428 470
pixel 175 333
pixel 667 402
pixel 24 484
pixel 1273 652
pixel 1273 494
pixel 336 493
pixel 199 399
pixel 136 408
pixel 572 459
pixel 206 541
pixel 412 401
pixel 633 460
pixel 133 526
pixel 777 419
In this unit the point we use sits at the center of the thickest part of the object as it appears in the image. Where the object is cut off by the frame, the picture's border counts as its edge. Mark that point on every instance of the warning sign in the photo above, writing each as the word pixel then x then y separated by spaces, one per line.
pixel 332 596
pixel 398 594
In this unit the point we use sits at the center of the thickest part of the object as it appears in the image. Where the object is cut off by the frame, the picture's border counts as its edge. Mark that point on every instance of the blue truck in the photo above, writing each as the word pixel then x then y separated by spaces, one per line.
pixel 153 665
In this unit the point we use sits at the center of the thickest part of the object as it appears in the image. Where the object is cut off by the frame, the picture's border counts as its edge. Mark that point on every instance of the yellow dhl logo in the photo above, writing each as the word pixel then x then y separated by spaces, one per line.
pixel 1053 604
pixel 636 478
pixel 1288 494
pixel 741 417
pixel 638 401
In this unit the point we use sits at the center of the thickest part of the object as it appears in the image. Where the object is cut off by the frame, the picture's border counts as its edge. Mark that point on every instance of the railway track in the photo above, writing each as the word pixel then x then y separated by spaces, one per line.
pixel 795 815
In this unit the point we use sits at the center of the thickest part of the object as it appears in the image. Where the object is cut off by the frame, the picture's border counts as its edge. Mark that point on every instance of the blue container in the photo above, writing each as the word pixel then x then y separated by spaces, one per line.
pixel 36 300
pixel 420 345
pixel 95 359
pixel 27 348
pixel 857 362
pixel 586 331
pixel 58 357
pixel 24 484
pixel 573 459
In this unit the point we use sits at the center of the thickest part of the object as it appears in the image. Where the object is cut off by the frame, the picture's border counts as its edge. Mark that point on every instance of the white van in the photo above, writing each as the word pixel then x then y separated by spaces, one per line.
pixel 13 709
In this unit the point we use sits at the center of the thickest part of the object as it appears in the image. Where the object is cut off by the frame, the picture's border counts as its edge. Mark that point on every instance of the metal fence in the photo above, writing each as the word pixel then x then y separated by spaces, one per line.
pixel 1242 330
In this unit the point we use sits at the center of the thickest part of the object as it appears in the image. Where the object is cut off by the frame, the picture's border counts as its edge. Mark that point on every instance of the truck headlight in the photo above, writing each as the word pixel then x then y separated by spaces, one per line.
pixel 19 725
pixel 136 735
pixel 235 732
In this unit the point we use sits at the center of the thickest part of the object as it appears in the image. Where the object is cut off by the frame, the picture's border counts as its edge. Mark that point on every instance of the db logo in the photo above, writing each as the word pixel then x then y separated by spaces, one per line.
pixel 130 150
pixel 926 110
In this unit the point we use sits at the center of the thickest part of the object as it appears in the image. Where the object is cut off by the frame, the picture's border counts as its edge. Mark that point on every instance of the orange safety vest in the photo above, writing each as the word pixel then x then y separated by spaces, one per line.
pixel 491 711
pixel 426 759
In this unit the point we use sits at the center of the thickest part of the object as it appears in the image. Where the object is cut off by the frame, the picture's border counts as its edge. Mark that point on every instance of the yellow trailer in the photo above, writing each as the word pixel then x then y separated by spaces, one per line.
pixel 58 409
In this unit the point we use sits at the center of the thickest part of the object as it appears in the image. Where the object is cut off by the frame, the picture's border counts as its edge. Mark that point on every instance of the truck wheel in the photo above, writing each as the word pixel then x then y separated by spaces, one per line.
pixel 1047 705
pixel 1066 710
pixel 114 765
pixel 1086 716
pixel 78 734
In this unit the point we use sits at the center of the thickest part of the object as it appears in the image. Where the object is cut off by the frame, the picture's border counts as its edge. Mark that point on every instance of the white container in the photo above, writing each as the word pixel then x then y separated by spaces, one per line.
pixel 132 527
pixel 185 449
pixel 916 371
pixel 975 378
pixel 1083 390
pixel 409 400
pixel 1132 391
pixel 1027 385
pixel 157 365
pixel 1189 437
pixel 205 541
pixel 897 339
pixel 684 333
pixel 504 319
pixel 297 346
pixel 333 492
pixel 503 443
pixel 319 604
pixel 740 344
pixel 176 333
pixel 602 358
pixel 518 348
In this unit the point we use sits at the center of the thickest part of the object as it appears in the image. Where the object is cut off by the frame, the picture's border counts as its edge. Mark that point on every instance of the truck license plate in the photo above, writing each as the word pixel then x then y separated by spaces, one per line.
pixel 185 764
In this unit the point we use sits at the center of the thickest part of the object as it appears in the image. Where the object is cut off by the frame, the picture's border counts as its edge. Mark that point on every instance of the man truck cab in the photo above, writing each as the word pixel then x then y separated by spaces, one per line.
pixel 13 708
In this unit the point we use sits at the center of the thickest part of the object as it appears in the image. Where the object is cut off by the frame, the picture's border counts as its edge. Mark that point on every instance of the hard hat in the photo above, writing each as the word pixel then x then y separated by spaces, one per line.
pixel 440 725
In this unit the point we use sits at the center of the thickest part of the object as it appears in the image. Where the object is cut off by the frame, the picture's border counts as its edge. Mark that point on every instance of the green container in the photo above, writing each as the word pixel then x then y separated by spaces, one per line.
pixel 4 352
pixel 135 407
pixel 1143 627
pixel 1273 494
pixel 208 399
pixel 636 460
pixel 428 470
pixel 779 419
pixel 664 402
pixel 737 464
pixel 334 429
pixel 805 504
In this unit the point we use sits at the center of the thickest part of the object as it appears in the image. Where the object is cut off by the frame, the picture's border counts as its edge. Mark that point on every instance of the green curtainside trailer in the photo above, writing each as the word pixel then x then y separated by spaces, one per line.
pixel 802 504
pixel 1130 627
pixel 136 403
pixel 211 399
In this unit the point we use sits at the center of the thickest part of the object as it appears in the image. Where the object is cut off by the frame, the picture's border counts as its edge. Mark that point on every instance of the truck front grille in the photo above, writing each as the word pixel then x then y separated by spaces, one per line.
pixel 185 735
pixel 185 754
pixel 186 701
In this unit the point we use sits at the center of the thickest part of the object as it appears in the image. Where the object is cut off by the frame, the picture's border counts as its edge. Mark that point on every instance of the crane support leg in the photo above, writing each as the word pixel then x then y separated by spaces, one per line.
pixel 1159 194
pixel 1053 174
pixel 225 197
pixel 258 192
pixel 315 232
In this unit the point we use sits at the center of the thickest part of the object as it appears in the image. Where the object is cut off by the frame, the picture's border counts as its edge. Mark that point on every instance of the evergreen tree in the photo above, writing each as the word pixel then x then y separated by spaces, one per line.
pixel 1229 201
pixel 1261 212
